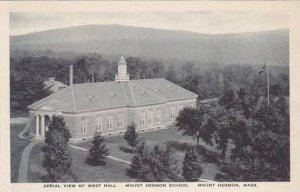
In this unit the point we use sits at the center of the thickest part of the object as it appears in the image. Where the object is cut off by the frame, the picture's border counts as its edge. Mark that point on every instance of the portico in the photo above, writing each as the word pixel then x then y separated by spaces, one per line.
pixel 42 121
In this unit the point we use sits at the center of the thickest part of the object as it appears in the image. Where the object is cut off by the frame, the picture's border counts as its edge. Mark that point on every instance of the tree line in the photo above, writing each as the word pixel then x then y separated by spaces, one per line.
pixel 28 72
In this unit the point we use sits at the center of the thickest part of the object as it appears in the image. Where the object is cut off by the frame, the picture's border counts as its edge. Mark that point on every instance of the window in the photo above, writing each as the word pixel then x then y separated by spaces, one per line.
pixel 158 116
pixel 99 123
pixel 172 113
pixel 83 125
pixel 110 122
pixel 150 117
pixel 142 119
pixel 120 121
pixel 180 108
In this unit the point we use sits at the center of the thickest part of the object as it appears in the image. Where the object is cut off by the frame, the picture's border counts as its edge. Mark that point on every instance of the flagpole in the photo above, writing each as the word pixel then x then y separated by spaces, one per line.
pixel 268 74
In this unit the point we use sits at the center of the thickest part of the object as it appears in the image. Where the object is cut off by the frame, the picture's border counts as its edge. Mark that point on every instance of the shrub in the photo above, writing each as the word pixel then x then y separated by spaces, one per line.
pixel 131 135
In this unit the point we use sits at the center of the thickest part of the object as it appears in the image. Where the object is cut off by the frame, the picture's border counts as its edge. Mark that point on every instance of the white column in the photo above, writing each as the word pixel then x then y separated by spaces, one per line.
pixel 37 127
pixel 42 125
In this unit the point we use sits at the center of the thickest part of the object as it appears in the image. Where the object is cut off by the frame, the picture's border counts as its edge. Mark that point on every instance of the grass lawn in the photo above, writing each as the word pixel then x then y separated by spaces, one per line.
pixel 112 171
pixel 171 136
pixel 35 169
pixel 17 146
pixel 115 171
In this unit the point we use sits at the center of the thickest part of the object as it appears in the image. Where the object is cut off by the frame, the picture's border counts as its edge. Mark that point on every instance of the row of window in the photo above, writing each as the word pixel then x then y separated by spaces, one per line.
pixel 156 116
pixel 150 117
pixel 99 123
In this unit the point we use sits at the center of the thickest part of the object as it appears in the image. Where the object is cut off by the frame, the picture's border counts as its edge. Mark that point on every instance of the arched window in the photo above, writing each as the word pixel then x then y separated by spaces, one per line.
pixel 158 116
pixel 150 117
pixel 120 121
pixel 83 125
pixel 142 119
pixel 180 108
pixel 99 123
pixel 110 122
pixel 172 113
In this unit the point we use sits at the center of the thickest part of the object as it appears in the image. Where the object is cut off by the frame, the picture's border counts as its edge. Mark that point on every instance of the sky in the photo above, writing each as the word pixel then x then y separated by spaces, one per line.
pixel 207 22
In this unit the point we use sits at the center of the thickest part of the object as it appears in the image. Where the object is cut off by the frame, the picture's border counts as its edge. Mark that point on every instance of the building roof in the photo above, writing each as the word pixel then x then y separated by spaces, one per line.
pixel 53 85
pixel 106 95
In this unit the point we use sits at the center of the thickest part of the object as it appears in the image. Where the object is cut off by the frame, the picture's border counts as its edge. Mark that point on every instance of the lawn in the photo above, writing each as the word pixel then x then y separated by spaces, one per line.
pixel 112 171
pixel 17 146
pixel 35 169
pixel 171 136
pixel 115 171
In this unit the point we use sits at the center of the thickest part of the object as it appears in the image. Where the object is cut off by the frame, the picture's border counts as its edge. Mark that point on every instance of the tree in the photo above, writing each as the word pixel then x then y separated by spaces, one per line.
pixel 57 160
pixel 171 74
pixel 142 69
pixel 156 165
pixel 267 159
pixel 137 160
pixel 98 151
pixel 25 89
pixel 228 100
pixel 270 116
pixel 131 135
pixel 192 168
pixel 159 165
pixel 197 123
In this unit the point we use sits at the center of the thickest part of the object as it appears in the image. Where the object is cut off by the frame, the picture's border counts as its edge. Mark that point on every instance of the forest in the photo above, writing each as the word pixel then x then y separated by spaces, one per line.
pixel 28 72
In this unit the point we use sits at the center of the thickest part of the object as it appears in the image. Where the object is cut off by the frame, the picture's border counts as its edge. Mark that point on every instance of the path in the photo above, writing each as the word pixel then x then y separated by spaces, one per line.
pixel 23 120
pixel 109 157
pixel 23 168
pixel 18 120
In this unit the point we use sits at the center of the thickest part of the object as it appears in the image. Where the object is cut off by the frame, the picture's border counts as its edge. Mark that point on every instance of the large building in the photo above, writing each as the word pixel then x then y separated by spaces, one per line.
pixel 108 107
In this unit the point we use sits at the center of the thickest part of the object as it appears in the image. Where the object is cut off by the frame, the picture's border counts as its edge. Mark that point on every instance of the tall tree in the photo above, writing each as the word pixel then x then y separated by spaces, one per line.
pixel 137 161
pixel 26 89
pixel 156 165
pixel 98 151
pixel 159 165
pixel 171 74
pixel 192 168
pixel 197 123
pixel 57 160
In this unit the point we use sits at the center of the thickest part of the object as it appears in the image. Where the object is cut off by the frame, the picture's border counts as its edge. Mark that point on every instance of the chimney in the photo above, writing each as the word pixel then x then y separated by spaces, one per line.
pixel 71 75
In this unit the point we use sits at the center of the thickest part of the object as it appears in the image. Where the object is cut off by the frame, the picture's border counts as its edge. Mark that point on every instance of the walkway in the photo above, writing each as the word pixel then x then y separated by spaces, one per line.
pixel 23 168
pixel 109 157
pixel 23 120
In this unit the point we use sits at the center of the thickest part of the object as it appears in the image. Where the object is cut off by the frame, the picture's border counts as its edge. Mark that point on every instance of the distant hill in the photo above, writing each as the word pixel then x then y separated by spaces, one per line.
pixel 162 44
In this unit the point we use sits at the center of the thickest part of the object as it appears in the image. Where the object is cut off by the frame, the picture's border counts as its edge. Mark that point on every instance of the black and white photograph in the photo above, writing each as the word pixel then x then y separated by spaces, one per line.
pixel 103 97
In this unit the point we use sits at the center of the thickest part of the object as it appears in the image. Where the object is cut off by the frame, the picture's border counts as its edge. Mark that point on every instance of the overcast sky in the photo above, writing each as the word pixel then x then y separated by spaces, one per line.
pixel 212 22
